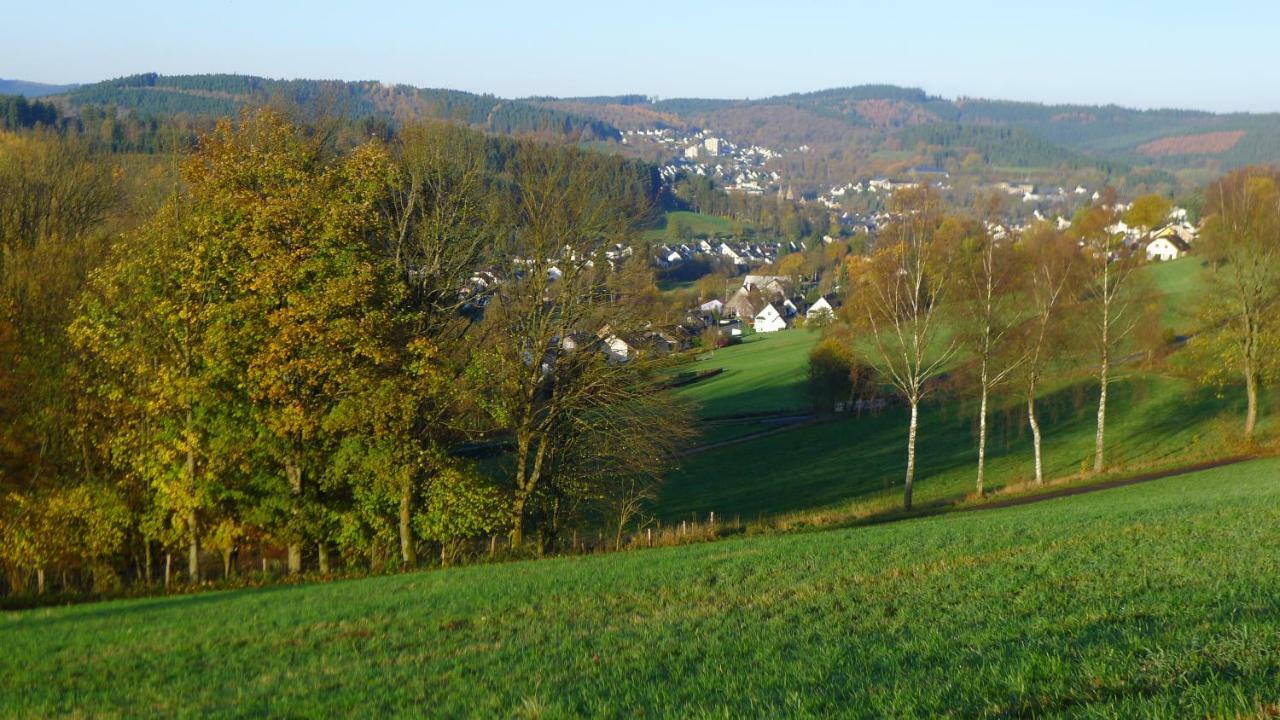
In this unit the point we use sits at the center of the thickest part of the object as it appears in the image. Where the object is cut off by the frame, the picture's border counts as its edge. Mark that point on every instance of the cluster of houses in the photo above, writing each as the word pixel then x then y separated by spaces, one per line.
pixel 740 253
pixel 766 303
pixel 739 168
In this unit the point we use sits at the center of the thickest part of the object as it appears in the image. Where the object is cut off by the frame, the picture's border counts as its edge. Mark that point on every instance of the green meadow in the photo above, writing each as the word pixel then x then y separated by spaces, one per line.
pixel 1155 600
pixel 766 373
pixel 699 224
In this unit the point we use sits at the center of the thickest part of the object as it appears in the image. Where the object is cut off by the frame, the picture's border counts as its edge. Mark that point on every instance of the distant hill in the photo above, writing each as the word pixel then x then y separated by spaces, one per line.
pixel 876 116
pixel 153 95
pixel 32 89
pixel 849 127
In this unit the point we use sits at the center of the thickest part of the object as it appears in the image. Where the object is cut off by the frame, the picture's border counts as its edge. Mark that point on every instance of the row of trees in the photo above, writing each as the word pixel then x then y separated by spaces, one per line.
pixel 292 352
pixel 943 298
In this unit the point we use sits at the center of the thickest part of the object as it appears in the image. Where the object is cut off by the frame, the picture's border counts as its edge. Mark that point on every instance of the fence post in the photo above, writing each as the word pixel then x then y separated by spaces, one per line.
pixel 649 536
pixel 713 517
pixel 493 544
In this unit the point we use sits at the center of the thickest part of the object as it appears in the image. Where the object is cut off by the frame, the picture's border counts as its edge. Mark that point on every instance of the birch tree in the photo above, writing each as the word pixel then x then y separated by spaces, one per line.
pixel 900 296
pixel 1114 296
pixel 989 288
pixel 1051 261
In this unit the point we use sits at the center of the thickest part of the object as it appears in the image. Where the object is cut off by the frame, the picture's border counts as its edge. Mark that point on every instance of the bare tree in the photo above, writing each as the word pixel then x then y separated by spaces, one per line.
pixel 440 221
pixel 901 290
pixel 561 365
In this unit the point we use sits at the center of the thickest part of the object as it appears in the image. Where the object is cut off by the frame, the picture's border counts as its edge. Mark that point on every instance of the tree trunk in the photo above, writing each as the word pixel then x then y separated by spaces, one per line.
pixel 911 456
pixel 39 581
pixel 407 555
pixel 322 553
pixel 147 550
pixel 1251 390
pixel 982 438
pixel 1035 433
pixel 1099 441
pixel 293 472
pixel 526 482
pixel 193 551
pixel 226 564
pixel 168 568
pixel 517 522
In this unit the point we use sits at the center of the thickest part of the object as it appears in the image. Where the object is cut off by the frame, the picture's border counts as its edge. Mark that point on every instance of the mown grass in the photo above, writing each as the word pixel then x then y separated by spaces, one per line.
pixel 768 372
pixel 1155 600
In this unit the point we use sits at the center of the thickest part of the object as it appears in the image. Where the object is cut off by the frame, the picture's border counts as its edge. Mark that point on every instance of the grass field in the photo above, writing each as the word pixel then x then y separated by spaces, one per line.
pixel 1182 282
pixel 699 224
pixel 1156 600
pixel 766 373
pixel 858 463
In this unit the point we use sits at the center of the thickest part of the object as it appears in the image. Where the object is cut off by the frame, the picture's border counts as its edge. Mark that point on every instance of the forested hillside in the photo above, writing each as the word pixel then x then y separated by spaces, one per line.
pixel 872 115
pixel 150 95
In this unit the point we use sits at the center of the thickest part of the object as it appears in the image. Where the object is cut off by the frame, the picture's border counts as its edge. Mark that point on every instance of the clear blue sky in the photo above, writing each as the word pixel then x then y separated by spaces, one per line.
pixel 1220 55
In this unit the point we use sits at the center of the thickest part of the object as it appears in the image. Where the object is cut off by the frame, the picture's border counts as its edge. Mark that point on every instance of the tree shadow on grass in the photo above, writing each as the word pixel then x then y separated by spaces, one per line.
pixel 1151 420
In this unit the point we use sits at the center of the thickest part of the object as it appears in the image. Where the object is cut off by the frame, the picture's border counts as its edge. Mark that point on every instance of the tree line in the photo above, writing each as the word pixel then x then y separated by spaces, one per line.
pixel 942 303
pixel 323 352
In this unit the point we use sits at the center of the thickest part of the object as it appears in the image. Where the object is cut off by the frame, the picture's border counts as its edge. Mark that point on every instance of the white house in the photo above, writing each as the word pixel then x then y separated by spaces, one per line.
pixel 769 320
pixel 712 307
pixel 616 349
pixel 1166 247
pixel 822 309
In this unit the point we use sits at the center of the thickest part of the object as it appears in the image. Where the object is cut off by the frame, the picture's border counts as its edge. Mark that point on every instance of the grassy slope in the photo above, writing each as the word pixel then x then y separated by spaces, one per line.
pixel 856 462
pixel 1153 421
pixel 765 373
pixel 1158 600
pixel 1181 282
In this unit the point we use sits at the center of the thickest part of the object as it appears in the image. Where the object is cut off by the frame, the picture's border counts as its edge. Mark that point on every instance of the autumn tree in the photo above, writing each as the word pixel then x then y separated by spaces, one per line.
pixel 145 335
pixel 314 305
pixel 1116 297
pixel 440 223
pixel 899 296
pixel 56 200
pixel 1241 240
pixel 1148 212
pixel 989 288
pixel 1052 265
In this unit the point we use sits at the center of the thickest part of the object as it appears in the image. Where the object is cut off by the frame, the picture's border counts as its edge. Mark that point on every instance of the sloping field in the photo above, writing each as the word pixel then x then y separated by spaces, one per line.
pixel 1155 600
pixel 856 465
pixel 767 373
